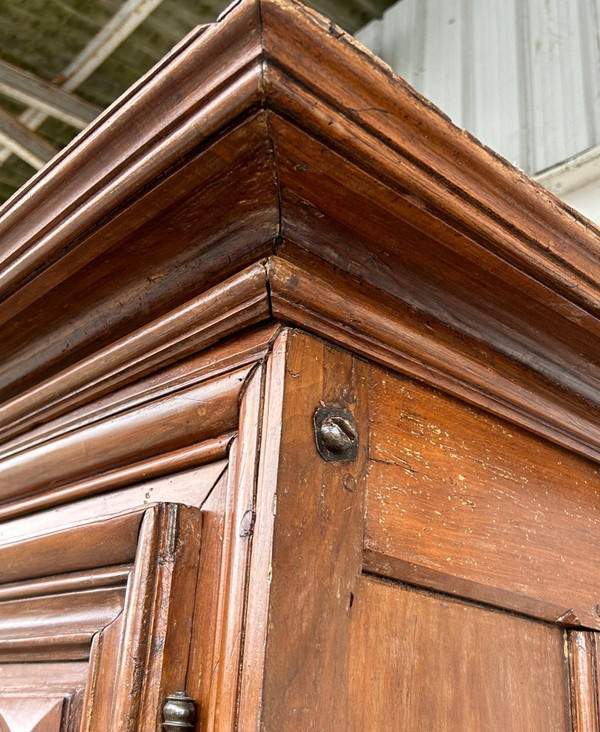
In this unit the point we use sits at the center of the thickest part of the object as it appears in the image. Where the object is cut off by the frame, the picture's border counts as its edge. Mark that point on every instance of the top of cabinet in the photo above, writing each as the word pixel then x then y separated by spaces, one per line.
pixel 272 158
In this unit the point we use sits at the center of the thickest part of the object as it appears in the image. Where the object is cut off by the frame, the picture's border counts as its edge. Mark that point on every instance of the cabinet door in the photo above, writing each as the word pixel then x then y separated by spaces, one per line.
pixel 501 531
pixel 95 621
pixel 425 661
pixel 445 580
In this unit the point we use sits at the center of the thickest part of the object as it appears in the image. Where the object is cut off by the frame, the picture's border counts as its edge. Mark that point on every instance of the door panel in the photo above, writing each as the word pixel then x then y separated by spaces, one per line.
pixel 97 647
pixel 461 503
pixel 29 714
pixel 422 661
pixel 465 503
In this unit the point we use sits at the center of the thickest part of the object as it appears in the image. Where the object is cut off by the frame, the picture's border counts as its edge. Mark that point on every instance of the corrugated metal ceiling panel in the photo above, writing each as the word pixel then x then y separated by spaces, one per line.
pixel 522 75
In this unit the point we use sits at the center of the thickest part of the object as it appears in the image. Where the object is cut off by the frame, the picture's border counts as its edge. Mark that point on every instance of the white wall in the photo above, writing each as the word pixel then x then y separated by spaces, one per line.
pixel 522 75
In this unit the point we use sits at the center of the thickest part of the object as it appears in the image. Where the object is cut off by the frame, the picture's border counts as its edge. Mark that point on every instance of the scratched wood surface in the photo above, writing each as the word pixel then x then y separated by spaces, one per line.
pixel 110 606
pixel 465 503
pixel 271 171
pixel 306 547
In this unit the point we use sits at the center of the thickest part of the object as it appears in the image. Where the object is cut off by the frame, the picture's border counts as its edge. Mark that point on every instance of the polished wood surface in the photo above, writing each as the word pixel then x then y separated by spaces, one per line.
pixel 128 616
pixel 270 134
pixel 307 536
pixel 270 224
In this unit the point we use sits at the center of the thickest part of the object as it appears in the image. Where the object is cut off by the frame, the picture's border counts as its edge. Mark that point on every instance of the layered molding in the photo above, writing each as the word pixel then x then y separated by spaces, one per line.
pixel 238 303
pixel 386 330
pixel 120 623
pixel 274 155
pixel 183 419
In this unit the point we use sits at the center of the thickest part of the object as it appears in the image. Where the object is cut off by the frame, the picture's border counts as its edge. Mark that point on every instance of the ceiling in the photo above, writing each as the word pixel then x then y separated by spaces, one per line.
pixel 62 61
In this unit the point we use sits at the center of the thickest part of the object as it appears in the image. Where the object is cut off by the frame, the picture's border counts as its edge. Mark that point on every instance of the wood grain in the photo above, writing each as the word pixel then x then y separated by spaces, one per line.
pixel 83 546
pixel 423 661
pixel 132 623
pixel 113 576
pixel 465 503
pixel 244 351
pixel 269 178
pixel 306 548
pixel 302 136
pixel 56 627
pixel 189 487
pixel 234 303
pixel 173 463
pixel 203 663
pixel 238 531
pixel 129 437
pixel 386 329
pixel 583 678
pixel 18 714
pixel 195 82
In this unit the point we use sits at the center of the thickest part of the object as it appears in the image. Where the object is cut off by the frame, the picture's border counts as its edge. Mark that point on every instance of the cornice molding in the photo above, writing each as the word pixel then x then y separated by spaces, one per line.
pixel 272 136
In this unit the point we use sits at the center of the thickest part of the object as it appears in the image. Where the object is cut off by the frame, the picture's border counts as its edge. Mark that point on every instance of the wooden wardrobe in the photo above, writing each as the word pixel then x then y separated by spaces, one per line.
pixel 300 411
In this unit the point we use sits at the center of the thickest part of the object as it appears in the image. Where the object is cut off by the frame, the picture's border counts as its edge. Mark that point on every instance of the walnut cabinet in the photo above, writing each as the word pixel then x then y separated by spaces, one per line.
pixel 299 411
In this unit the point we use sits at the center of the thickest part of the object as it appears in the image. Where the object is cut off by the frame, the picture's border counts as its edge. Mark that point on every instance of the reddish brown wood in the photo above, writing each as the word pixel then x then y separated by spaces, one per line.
pixel 231 305
pixel 203 664
pixel 269 178
pixel 40 713
pixel 135 622
pixel 422 661
pixel 154 648
pixel 302 136
pixel 56 627
pixel 45 695
pixel 84 546
pixel 349 312
pixel 189 487
pixel 237 538
pixel 583 678
pixel 465 503
pixel 126 438
pixel 306 549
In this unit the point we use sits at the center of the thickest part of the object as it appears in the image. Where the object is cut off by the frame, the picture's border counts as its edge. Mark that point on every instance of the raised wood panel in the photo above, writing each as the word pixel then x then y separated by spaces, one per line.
pixel 46 697
pixel 465 503
pixel 212 363
pixel 31 714
pixel 82 546
pixel 56 627
pixel 131 622
pixel 425 662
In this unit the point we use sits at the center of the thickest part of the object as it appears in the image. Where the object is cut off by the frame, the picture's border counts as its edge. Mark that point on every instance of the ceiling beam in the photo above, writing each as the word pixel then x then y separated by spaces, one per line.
pixel 29 89
pixel 131 14
pixel 351 14
pixel 21 141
